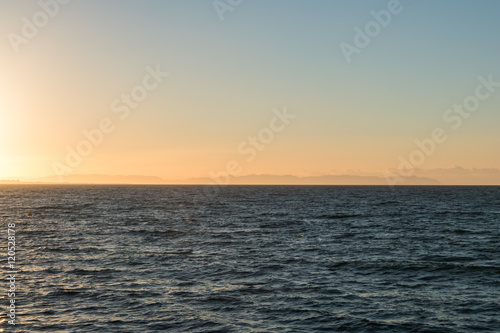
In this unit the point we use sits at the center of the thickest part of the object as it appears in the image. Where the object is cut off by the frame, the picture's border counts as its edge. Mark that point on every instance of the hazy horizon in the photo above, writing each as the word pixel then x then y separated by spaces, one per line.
pixel 454 176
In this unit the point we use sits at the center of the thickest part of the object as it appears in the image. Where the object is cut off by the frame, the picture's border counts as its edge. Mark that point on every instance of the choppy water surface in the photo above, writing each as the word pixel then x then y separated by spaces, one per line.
pixel 254 259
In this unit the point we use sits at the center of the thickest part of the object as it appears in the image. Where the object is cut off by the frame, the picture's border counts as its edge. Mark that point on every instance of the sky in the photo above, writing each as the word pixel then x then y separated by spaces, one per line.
pixel 200 88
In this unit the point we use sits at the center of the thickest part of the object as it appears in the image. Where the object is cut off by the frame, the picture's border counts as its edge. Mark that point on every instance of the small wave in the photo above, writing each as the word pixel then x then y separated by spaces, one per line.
pixel 155 232
pixel 458 231
pixel 48 207
pixel 446 212
pixel 168 231
pixel 54 249
pixel 226 300
pixel 472 213
pixel 65 292
pixel 390 202
pixel 338 216
pixel 178 253
pixel 81 271
pixel 71 207
pixel 274 214
pixel 339 264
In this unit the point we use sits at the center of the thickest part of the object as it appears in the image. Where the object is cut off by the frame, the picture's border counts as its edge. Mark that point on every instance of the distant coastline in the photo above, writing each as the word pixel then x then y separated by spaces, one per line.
pixel 243 180
pixel 433 177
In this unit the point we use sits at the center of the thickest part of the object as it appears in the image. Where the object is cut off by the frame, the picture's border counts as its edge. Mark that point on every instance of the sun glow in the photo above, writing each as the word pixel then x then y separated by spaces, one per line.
pixel 4 140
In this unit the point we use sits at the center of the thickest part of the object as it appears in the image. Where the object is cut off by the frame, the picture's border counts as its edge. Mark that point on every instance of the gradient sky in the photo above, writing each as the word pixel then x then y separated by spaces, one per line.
pixel 226 77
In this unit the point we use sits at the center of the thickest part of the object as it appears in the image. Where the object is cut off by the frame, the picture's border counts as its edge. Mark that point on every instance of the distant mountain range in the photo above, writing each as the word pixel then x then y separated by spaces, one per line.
pixel 316 180
pixel 243 180
pixel 103 179
pixel 441 176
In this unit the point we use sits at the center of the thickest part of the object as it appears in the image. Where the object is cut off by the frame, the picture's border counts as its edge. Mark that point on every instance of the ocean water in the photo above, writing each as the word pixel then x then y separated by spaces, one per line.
pixel 253 258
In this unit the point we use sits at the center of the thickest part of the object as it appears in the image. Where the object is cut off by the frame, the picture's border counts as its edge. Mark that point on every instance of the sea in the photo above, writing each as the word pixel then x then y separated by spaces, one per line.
pixel 110 258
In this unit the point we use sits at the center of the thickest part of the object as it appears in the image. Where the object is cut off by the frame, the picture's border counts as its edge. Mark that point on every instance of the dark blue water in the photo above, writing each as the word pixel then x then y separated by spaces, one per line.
pixel 253 259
